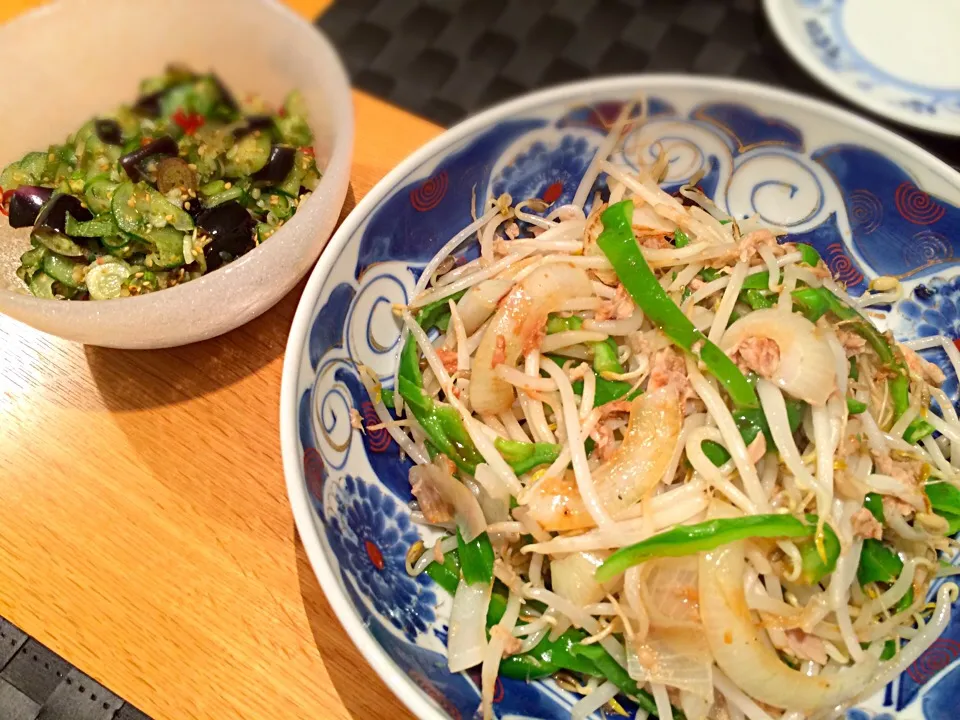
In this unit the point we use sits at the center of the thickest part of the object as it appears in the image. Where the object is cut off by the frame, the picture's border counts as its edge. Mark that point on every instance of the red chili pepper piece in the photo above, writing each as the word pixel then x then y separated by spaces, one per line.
pixel 5 201
pixel 308 150
pixel 189 123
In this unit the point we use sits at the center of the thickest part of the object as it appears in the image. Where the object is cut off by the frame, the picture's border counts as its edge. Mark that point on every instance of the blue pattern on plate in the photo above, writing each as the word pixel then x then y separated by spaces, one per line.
pixel 548 173
pixel 933 308
pixel 371 539
pixel 841 198
pixel 750 129
pixel 824 23
pixel 885 207
pixel 326 335
pixel 424 214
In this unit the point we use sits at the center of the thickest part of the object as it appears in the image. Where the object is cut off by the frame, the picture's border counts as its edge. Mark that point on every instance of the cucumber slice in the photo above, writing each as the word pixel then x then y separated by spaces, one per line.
pixel 99 194
pixel 169 244
pixel 114 242
pixel 125 210
pixel 234 193
pixel 137 207
pixel 100 226
pixel 162 212
pixel 63 270
pixel 278 204
pixel 41 285
pixel 58 242
pixel 250 154
pixel 105 281
pixel 33 258
pixel 294 179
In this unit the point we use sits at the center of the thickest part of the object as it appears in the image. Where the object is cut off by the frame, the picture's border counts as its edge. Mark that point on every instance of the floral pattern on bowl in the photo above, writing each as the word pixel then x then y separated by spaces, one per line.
pixel 832 181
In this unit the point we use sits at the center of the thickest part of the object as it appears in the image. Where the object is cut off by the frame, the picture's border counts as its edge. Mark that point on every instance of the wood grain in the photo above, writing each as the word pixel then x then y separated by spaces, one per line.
pixel 145 533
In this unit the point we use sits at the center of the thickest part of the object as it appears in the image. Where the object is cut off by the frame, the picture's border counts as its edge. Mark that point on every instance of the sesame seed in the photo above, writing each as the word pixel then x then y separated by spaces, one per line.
pixel 169 218
pixel 138 275
pixel 274 200
pixel 131 202
pixel 192 166
pixel 227 186
pixel 192 193
pixel 186 205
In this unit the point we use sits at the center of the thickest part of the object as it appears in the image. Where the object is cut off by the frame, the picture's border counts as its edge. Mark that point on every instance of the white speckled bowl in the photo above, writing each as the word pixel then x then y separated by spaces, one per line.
pixel 72 59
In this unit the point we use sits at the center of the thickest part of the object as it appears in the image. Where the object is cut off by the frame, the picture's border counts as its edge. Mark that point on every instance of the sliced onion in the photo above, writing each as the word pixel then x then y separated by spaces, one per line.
pixel 467 639
pixel 520 317
pixel 806 369
pixel 466 507
pixel 745 655
pixel 479 302
pixel 572 577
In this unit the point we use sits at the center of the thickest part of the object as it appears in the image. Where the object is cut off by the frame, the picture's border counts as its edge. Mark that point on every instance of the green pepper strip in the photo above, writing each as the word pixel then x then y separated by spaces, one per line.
pixel 447 574
pixel 880 564
pixel 855 407
pixel 445 430
pixel 751 422
pixel 524 456
pixel 437 313
pixel 758 299
pixel 605 357
pixel 608 391
pixel 549 656
pixel 621 248
pixel 945 501
pixel 874 503
pixel 476 558
pixel 680 238
pixel 814 567
pixel 442 425
pixel 690 539
pixel 761 280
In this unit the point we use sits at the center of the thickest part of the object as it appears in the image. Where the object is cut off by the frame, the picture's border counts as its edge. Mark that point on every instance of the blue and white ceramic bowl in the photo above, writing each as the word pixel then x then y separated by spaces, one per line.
pixel 868 200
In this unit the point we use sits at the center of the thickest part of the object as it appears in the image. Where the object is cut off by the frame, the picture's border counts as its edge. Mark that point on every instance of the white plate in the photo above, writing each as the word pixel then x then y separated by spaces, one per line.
pixel 898 58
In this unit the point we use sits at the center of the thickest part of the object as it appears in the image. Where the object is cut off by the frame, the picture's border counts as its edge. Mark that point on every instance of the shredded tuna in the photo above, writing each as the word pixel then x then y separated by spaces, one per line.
pixel 865 525
pixel 668 368
pixel 752 242
pixel 896 506
pixel 620 306
pixel 806 647
pixel 434 508
pixel 758 354
pixel 918 366
pixel 604 449
pixel 449 360
pixel 511 644
pixel 655 242
pixel 852 343
pixel 906 471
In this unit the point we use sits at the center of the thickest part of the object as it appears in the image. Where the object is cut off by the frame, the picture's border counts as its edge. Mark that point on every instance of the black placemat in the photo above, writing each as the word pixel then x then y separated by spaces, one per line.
pixel 38 684
pixel 444 59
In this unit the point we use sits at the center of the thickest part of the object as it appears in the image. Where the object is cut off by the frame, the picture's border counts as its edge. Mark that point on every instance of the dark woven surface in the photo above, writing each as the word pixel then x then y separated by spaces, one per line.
pixel 38 684
pixel 445 59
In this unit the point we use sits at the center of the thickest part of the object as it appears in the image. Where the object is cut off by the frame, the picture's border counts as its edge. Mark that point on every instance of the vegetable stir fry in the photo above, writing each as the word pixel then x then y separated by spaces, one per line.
pixel 669 460
pixel 158 193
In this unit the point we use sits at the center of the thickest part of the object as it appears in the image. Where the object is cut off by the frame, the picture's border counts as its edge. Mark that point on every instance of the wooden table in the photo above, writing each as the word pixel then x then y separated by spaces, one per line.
pixel 145 533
